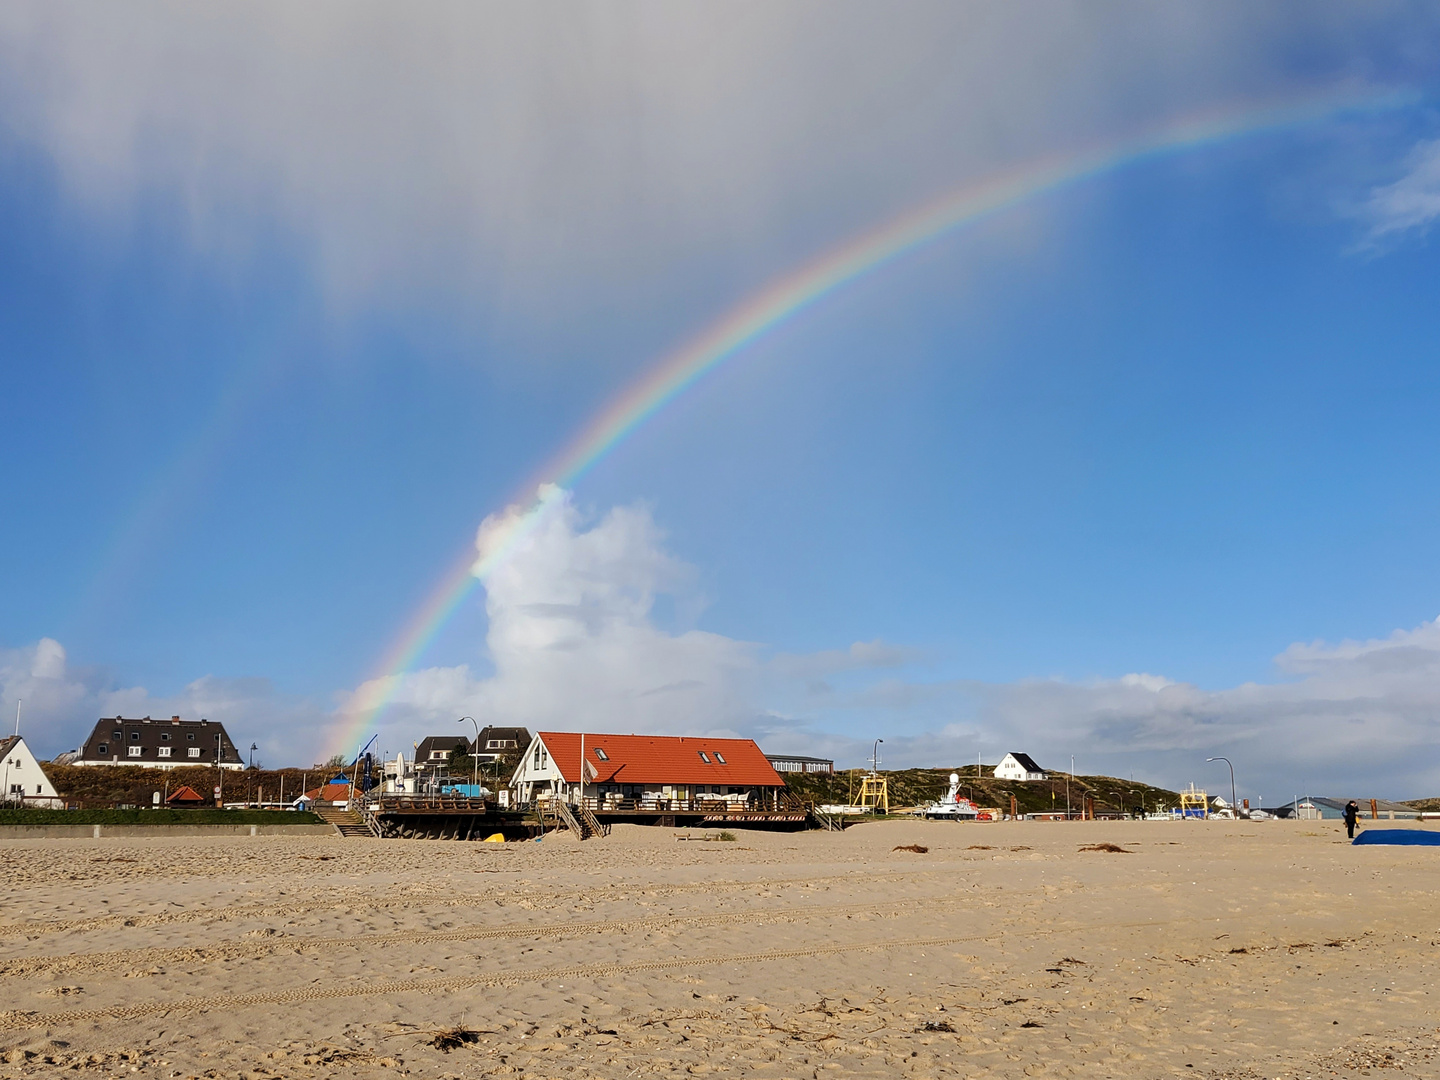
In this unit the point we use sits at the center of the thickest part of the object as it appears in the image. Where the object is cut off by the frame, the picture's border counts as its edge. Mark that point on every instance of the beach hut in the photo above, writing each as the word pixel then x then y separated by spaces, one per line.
pixel 185 797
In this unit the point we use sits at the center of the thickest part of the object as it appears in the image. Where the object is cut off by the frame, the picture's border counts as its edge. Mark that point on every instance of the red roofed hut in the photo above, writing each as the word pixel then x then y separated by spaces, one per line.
pixel 646 771
pixel 184 797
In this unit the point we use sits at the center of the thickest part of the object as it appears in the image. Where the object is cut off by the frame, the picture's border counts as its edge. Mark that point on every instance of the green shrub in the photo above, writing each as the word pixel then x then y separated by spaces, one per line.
pixel 206 816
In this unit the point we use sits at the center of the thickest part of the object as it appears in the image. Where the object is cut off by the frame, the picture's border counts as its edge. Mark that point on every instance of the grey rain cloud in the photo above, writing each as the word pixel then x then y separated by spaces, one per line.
pixel 634 158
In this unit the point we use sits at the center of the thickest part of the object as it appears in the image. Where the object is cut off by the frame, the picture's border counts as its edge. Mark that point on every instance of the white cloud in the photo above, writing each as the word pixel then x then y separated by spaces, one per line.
pixel 1355 716
pixel 574 643
pixel 1410 204
pixel 62 703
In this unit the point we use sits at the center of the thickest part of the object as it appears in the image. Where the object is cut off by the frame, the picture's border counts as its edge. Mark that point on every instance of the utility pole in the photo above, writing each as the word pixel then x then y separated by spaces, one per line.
pixel 6 794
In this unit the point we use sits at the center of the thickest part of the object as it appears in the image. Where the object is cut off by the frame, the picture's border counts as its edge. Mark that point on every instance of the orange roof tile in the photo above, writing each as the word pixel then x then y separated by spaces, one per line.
pixel 661 759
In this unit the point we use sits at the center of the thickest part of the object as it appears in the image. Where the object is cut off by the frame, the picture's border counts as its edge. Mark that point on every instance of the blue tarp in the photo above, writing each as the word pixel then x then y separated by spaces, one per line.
pixel 1408 837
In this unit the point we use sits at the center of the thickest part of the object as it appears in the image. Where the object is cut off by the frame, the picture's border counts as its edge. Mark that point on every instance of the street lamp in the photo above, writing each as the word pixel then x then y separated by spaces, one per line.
pixel 1234 810
pixel 875 757
pixel 1119 802
pixel 474 754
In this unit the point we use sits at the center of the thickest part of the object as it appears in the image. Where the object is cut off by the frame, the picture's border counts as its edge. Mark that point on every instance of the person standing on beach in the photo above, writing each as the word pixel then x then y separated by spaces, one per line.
pixel 1352 814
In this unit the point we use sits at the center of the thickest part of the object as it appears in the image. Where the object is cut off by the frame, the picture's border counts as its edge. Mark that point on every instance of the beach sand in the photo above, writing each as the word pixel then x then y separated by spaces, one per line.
pixel 1215 949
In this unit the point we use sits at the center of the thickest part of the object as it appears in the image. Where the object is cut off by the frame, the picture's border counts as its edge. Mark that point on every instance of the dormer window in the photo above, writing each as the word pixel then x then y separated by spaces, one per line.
pixel 704 756
pixel 599 753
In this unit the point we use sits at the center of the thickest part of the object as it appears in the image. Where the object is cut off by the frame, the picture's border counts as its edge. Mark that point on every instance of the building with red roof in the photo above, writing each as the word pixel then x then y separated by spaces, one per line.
pixel 335 793
pixel 185 796
pixel 643 768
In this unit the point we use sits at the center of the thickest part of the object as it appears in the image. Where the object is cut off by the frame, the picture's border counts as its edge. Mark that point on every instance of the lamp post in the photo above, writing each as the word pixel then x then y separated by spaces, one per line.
pixel 1234 810
pixel 474 754
pixel 1119 802
pixel 875 757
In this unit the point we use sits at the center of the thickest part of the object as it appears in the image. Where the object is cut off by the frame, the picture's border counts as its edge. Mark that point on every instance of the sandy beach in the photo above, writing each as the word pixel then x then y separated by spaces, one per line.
pixel 1214 949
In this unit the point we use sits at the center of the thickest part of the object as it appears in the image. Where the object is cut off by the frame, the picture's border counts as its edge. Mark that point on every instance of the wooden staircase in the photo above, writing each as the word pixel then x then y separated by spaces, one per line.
pixel 346 822
pixel 580 820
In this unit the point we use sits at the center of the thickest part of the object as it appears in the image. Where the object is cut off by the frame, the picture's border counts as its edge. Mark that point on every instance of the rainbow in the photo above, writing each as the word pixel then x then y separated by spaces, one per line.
pixel 786 297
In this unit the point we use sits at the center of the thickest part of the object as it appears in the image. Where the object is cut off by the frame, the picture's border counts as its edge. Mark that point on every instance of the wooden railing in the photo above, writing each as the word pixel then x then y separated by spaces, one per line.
pixel 396 803
pixel 783 801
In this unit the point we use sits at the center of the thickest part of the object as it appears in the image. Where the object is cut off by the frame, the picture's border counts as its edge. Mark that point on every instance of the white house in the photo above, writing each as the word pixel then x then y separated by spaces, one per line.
pixel 644 768
pixel 1018 767
pixel 21 778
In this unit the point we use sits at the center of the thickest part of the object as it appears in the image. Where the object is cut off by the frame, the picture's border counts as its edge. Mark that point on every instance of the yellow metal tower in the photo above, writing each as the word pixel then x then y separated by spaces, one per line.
pixel 875 793
pixel 1194 803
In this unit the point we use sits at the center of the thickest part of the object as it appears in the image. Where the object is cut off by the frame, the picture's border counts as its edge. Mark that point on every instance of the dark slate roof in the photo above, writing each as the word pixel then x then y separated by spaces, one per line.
pixel 518 735
pixel 447 743
pixel 1026 762
pixel 150 735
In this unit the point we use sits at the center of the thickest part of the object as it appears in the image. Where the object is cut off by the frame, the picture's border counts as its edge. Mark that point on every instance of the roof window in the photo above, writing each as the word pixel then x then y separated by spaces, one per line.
pixel 601 754
pixel 704 756
pixel 719 757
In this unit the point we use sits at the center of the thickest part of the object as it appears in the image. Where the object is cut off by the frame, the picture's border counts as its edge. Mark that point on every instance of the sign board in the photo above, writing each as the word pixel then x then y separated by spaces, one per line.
pixel 155 798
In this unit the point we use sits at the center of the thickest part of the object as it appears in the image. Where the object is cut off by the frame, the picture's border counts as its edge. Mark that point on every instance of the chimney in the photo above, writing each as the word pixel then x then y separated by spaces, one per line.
pixel 175 719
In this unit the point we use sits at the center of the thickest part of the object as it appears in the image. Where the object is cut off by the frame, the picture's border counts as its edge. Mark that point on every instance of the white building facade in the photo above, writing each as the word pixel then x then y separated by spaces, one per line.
pixel 22 781
pixel 1017 766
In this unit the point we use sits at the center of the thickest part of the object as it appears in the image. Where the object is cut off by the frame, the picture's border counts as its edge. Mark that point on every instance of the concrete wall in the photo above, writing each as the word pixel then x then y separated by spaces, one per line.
pixel 45 832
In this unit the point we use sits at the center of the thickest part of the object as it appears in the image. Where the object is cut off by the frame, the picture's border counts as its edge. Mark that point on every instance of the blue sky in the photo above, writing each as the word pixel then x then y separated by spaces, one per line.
pixel 1143 471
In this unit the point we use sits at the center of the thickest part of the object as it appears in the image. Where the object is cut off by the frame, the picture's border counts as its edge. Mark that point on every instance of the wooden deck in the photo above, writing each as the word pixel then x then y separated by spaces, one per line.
pixel 461 818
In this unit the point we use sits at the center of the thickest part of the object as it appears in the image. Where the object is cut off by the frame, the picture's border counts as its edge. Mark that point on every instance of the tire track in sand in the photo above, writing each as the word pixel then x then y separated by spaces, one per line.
pixel 14 1018
pixel 368 901
pixel 249 950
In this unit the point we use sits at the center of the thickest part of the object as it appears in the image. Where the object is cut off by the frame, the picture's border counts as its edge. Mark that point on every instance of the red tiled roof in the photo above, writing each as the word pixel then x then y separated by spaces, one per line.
pixel 661 759
pixel 329 793
pixel 185 794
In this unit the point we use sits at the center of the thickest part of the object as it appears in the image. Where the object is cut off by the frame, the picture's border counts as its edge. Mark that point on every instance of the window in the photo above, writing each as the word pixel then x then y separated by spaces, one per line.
pixel 194 751
pixel 493 744
pixel 704 756
pixel 719 757
pixel 544 758
pixel 134 736
pixel 102 750
pixel 437 755
pixel 164 736
pixel 135 751
pixel 537 757
pixel 164 751
pixel 117 736
pixel 190 737
pixel 601 754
